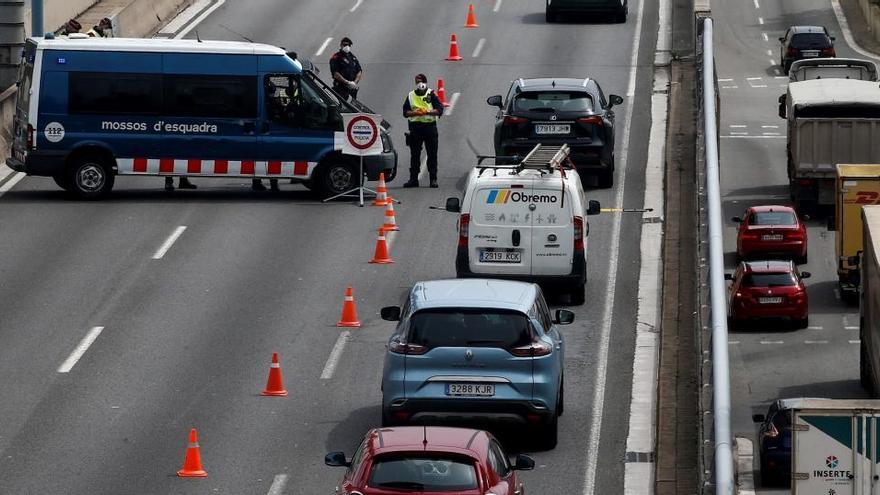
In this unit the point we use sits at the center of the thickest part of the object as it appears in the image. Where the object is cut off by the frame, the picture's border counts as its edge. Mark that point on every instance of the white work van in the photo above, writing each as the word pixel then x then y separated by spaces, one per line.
pixel 526 222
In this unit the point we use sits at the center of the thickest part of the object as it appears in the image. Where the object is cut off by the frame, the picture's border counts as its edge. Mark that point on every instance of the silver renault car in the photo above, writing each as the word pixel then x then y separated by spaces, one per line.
pixel 475 350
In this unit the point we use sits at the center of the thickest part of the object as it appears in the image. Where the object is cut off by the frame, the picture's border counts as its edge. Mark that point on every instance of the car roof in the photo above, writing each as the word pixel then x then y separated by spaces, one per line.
pixel 461 441
pixel 160 45
pixel 808 29
pixel 769 266
pixel 473 293
pixel 769 208
pixel 557 83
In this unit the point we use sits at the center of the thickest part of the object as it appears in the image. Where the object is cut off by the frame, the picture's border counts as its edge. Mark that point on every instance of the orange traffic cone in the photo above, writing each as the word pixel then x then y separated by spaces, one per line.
pixel 381 192
pixel 471 18
pixel 390 221
pixel 192 463
pixel 453 49
pixel 381 257
pixel 441 92
pixel 349 316
pixel 275 385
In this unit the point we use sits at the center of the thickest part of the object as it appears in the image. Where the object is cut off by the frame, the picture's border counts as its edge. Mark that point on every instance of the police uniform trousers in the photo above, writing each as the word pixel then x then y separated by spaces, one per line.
pixel 419 134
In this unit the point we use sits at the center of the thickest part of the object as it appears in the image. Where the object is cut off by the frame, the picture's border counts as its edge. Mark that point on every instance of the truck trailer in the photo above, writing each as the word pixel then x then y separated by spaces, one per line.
pixel 856 186
pixel 869 300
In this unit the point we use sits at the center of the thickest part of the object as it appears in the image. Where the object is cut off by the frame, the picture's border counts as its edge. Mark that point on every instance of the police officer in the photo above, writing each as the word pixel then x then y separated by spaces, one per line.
pixel 346 70
pixel 102 30
pixel 422 108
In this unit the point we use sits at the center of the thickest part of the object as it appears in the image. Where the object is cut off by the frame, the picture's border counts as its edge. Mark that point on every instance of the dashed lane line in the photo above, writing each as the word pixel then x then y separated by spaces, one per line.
pixel 452 101
pixel 163 249
pixel 809 342
pixel 278 483
pixel 335 355
pixel 323 46
pixel 850 327
pixel 478 48
pixel 80 349
pixel 497 6
pixel 760 20
pixel 356 5
pixel 764 35
pixel 855 341
pixel 772 342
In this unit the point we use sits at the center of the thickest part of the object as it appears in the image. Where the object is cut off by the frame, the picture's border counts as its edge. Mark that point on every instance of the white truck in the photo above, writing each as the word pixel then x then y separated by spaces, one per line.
pixel 830 121
pixel 832 68
pixel 835 447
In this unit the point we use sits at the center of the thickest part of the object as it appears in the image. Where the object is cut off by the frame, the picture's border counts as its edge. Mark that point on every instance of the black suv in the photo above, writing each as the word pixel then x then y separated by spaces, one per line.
pixel 556 111
pixel 802 42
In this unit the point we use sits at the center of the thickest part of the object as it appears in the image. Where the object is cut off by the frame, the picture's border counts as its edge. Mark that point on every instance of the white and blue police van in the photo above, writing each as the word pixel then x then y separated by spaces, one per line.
pixel 89 109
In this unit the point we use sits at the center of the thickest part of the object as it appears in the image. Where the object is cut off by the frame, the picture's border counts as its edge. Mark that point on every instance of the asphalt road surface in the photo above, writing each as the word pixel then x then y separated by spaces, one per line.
pixel 771 362
pixel 187 338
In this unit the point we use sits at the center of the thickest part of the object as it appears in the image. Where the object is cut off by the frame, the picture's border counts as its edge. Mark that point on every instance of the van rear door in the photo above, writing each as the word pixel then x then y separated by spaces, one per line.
pixel 552 229
pixel 20 131
pixel 499 242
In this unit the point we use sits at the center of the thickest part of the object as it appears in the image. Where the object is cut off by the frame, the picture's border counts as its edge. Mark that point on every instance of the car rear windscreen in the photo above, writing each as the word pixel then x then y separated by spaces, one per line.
pixel 772 218
pixel 553 101
pixel 769 280
pixel 810 40
pixel 423 473
pixel 471 327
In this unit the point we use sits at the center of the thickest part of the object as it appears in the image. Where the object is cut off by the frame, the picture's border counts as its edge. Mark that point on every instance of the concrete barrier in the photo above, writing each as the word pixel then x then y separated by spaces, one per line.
pixel 871 11
pixel 7 112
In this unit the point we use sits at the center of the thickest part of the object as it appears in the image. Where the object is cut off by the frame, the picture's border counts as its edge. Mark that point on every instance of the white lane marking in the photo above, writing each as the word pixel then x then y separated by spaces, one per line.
pixel 815 328
pixel 497 6
pixel 769 127
pixel 732 342
pixel 729 87
pixel 187 15
pixel 760 20
pixel 764 35
pixel 758 85
pixel 850 327
pixel 847 34
pixel 278 483
pixel 199 19
pixel 452 101
pixel 598 402
pixel 815 342
pixel 777 72
pixel 732 136
pixel 323 47
pixel 757 6
pixel 9 184
pixel 770 52
pixel 837 294
pixel 725 80
pixel 423 170
pixel 855 341
pixel 754 78
pixel 772 62
pixel 81 349
pixel 479 48
pixel 770 134
pixel 772 342
pixel 168 242
pixel 356 5
pixel 739 133
pixel 335 355
pixel 738 126
pixel 780 77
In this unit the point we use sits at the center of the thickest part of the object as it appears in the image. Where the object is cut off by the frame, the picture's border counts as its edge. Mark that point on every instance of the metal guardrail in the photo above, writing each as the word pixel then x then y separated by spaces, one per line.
pixel 724 472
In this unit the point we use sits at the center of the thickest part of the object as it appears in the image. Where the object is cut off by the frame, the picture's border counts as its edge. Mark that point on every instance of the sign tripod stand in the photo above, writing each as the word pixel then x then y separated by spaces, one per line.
pixel 361 139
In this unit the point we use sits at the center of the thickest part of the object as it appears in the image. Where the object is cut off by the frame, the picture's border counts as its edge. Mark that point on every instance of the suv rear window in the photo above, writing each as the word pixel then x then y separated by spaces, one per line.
pixel 810 40
pixel 471 327
pixel 553 101
pixel 423 473
pixel 769 280
pixel 772 218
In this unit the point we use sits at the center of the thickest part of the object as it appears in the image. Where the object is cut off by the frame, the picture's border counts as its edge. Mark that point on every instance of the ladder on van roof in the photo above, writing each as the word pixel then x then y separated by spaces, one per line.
pixel 543 158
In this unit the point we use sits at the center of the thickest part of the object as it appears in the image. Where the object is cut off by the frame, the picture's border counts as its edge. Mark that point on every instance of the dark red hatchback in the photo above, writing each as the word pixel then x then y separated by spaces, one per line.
pixel 768 290
pixel 769 231
pixel 429 460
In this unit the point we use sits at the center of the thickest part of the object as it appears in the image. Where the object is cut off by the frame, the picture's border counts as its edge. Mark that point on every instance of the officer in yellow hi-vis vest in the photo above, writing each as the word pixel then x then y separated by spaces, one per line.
pixel 422 108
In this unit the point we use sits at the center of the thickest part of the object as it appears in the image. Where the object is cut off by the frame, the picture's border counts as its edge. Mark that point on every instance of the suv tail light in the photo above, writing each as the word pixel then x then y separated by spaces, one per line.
pixel 594 120
pixel 539 348
pixel 578 223
pixel 828 52
pixel 398 347
pixel 30 137
pixel 514 120
pixel 792 52
pixel 772 432
pixel 464 222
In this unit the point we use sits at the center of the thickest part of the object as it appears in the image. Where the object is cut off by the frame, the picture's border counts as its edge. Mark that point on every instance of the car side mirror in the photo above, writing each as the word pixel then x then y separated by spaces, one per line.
pixel 781 109
pixel 563 317
pixel 806 275
pixel 728 276
pixel 782 38
pixel 336 459
pixel 593 207
pixel 494 101
pixel 805 217
pixel 453 205
pixel 390 313
pixel 758 418
pixel 737 219
pixel 831 38
pixel 524 463
pixel 614 100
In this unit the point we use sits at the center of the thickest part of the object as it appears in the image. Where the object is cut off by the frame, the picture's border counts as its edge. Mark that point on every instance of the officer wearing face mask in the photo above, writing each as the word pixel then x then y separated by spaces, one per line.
pixel 346 70
pixel 422 108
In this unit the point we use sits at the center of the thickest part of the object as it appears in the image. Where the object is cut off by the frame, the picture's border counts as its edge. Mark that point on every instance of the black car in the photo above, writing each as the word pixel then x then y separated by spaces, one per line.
pixel 556 111
pixel 802 42
pixel 774 442
pixel 617 9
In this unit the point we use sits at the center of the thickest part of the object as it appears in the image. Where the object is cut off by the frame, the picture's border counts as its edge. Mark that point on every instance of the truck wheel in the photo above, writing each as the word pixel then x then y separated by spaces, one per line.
pixel 802 323
pixel 89 177
pixel 801 260
pixel 336 177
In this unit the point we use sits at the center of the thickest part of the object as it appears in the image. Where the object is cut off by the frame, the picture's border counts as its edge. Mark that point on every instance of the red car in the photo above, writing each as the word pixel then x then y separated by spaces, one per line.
pixel 768 289
pixel 769 231
pixel 429 459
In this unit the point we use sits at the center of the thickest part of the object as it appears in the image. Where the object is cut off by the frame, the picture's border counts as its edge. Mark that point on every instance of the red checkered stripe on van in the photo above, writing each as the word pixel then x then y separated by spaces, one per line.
pixel 211 168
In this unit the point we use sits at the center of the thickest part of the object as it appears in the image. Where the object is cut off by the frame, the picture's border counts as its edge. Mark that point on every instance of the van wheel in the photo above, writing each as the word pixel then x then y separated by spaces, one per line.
pixel 63 182
pixel 336 177
pixel 578 294
pixel 90 178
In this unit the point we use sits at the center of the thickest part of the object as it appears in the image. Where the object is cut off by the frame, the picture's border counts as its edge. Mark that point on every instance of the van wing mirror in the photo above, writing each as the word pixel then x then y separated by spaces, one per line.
pixel 737 219
pixel 390 313
pixel 494 100
pixel 453 205
pixel 728 276
pixel 593 207
pixel 563 317
pixel 614 100
pixel 758 418
pixel 336 459
pixel 782 113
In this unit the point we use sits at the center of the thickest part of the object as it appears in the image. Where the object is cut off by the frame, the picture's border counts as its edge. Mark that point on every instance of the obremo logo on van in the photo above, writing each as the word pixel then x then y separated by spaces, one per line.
pixel 502 196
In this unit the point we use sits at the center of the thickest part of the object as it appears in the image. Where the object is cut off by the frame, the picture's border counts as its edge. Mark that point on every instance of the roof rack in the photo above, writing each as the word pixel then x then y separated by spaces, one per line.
pixel 543 158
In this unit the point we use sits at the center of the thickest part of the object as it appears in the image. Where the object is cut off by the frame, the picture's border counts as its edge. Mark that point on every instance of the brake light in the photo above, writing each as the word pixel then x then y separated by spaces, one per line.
pixel 772 432
pixel 539 348
pixel 749 236
pixel 30 137
pixel 398 347
pixel 791 51
pixel 514 120
pixel 828 52
pixel 594 120
pixel 464 222
pixel 578 223
pixel 805 182
pixel 797 235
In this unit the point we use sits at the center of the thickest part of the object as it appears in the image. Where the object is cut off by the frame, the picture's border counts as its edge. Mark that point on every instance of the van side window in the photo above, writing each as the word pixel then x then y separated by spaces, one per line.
pixel 114 93
pixel 210 96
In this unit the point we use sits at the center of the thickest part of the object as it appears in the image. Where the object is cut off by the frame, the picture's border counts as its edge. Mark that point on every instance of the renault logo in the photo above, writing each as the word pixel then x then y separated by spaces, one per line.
pixel 468 355
pixel 552 117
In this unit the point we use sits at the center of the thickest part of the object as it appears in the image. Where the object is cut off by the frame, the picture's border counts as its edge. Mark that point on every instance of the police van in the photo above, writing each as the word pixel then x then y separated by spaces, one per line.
pixel 526 222
pixel 89 109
